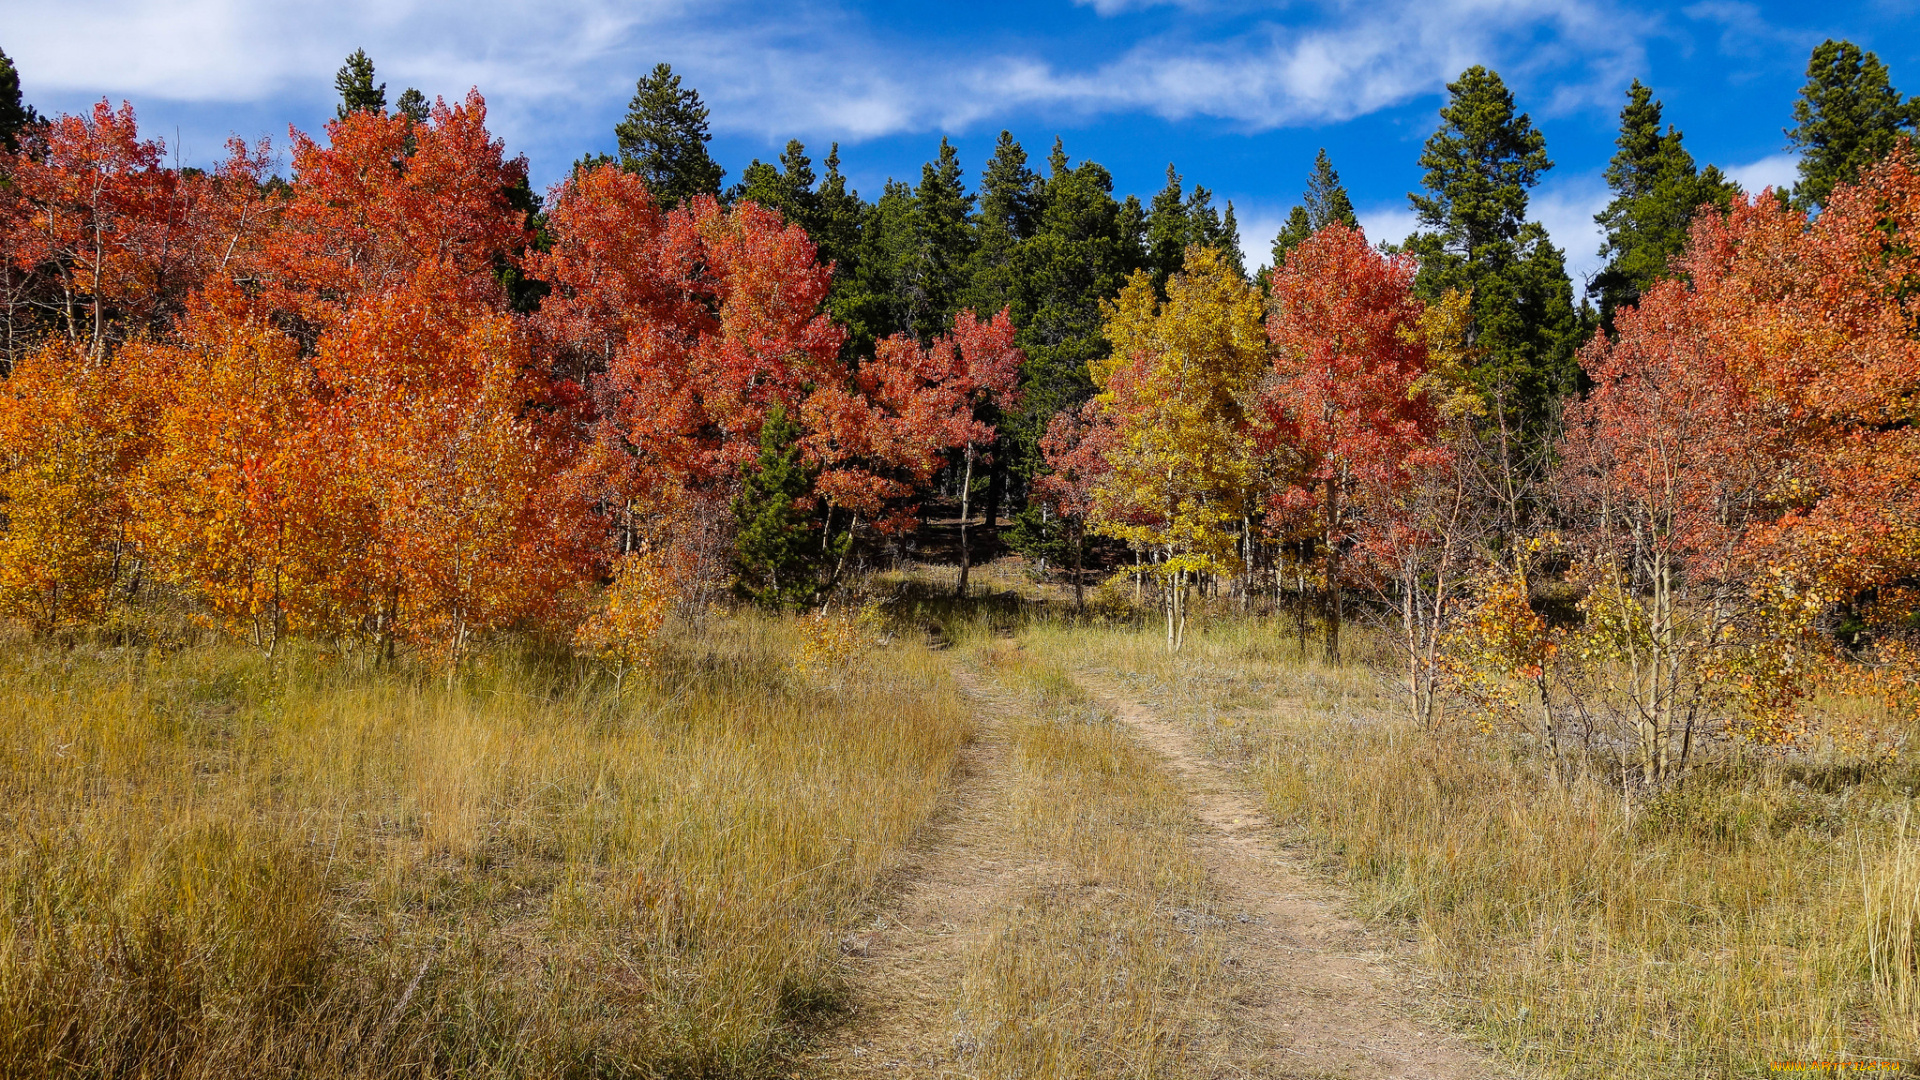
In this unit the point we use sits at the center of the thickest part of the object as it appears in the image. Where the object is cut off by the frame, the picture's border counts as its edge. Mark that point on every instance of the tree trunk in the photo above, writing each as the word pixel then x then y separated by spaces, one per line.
pixel 966 491
pixel 996 490
pixel 1078 531
pixel 1333 573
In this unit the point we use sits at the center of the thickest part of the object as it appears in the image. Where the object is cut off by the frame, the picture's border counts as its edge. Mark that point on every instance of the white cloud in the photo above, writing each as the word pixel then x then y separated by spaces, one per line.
pixel 1778 171
pixel 1361 59
pixel 1389 223
pixel 557 70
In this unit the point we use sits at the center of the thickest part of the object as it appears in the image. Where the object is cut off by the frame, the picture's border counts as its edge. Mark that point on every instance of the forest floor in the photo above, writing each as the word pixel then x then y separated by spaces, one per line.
pixel 1257 969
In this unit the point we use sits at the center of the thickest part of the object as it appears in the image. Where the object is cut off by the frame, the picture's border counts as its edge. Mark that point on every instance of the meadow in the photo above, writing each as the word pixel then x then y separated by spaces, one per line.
pixel 1763 909
pixel 219 866
pixel 215 864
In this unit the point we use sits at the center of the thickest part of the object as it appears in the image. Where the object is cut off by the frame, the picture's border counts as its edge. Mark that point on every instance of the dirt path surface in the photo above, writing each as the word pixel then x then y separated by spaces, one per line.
pixel 906 968
pixel 1309 994
pixel 1317 995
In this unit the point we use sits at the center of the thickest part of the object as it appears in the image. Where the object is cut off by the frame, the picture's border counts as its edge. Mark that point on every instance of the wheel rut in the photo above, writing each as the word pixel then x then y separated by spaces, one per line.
pixel 905 967
pixel 1316 995
pixel 1308 992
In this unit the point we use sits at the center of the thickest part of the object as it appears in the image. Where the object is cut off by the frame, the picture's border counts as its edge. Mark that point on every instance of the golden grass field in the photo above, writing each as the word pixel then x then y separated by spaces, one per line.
pixel 217 866
pixel 1763 912
pixel 214 867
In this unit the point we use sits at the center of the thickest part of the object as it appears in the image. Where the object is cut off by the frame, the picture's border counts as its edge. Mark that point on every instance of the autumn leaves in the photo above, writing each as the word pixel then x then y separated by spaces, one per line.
pixel 313 406
pixel 1209 425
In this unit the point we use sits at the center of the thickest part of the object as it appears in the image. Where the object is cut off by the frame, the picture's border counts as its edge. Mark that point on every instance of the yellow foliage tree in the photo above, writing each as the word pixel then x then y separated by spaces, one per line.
pixel 1175 392
pixel 70 433
pixel 624 634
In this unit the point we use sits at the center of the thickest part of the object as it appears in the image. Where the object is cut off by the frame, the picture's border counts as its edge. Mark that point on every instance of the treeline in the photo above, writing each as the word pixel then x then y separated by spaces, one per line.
pixel 397 400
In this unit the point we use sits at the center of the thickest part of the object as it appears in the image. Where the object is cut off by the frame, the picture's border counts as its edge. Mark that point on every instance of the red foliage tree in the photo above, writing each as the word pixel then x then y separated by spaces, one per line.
pixel 1345 405
pixel 1075 451
pixel 99 236
pixel 386 196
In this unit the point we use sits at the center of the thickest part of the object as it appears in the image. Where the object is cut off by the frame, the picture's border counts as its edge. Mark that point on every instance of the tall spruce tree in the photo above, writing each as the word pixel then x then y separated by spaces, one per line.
pixel 838 213
pixel 1656 191
pixel 354 80
pixel 787 187
pixel 1479 165
pixel 1168 230
pixel 1324 202
pixel 1847 117
pixel 413 105
pixel 839 216
pixel 935 277
pixel 877 305
pixel 1228 241
pixel 664 139
pixel 1009 212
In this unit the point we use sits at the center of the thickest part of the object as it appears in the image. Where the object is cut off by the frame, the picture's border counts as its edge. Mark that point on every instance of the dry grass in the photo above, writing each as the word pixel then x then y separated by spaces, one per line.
pixel 1763 911
pixel 1108 967
pixel 213 867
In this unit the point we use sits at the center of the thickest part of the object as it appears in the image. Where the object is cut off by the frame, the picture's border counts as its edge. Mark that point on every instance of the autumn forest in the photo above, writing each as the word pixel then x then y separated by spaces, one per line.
pixel 459 629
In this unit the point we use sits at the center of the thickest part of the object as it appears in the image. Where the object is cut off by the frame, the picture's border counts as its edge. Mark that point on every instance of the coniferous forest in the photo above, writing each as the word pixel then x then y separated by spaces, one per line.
pixel 463 629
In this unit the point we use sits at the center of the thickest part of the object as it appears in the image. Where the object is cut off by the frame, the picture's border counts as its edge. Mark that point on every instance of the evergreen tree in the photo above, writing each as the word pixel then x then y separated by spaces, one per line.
pixel 1479 165
pixel 1009 212
pixel 1084 245
pixel 787 188
pixel 15 115
pixel 877 304
pixel 354 80
pixel 664 139
pixel 413 105
pixel 936 277
pixel 1178 219
pixel 1228 241
pixel 1656 190
pixel 777 554
pixel 1324 202
pixel 839 216
pixel 839 213
pixel 1168 231
pixel 1298 226
pixel 1847 118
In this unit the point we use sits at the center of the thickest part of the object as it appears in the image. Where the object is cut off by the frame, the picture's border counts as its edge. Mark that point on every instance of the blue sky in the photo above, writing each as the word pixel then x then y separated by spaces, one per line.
pixel 1238 95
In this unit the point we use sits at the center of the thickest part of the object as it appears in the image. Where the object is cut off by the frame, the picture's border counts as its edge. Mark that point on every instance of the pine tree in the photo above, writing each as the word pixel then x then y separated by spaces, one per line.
pixel 1847 117
pixel 1229 240
pixel 1168 231
pixel 1009 211
pixel 1324 202
pixel 877 305
pixel 1657 190
pixel 839 214
pixel 412 104
pixel 1084 245
pixel 1208 228
pixel 787 188
pixel 664 139
pixel 354 80
pixel 777 554
pixel 839 218
pixel 936 273
pixel 1479 165
pixel 15 115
